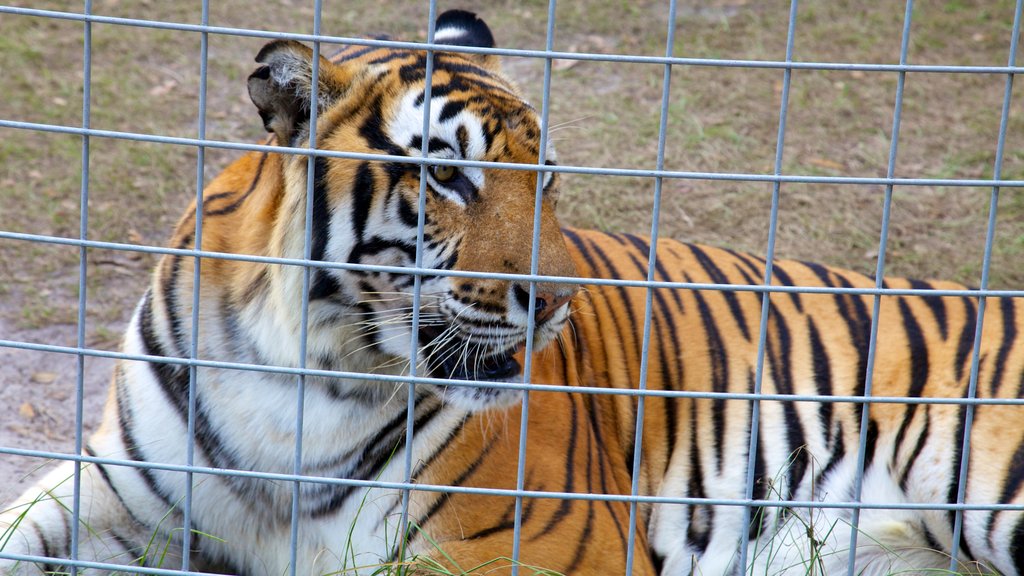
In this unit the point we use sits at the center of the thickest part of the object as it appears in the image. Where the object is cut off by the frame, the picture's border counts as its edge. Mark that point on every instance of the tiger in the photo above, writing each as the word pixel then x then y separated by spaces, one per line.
pixel 587 344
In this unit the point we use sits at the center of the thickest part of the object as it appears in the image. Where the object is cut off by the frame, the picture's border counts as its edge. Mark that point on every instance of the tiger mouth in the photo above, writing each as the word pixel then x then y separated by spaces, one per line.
pixel 457 359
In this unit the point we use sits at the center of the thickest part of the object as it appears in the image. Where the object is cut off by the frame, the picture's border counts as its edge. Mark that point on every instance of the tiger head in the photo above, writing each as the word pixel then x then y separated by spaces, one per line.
pixel 371 101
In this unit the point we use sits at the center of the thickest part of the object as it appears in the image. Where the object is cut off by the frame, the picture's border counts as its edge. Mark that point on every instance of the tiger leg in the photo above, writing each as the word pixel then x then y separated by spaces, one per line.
pixel 40 523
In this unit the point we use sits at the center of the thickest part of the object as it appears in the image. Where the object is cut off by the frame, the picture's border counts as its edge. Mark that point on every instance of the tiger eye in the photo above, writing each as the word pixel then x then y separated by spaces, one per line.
pixel 444 173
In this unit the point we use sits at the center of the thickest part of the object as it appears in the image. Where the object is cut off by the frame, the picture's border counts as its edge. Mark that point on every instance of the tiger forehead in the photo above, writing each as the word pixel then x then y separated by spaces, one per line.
pixel 453 76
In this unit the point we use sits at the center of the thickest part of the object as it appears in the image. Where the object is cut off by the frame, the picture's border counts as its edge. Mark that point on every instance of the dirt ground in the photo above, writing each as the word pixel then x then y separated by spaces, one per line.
pixel 37 401
pixel 603 114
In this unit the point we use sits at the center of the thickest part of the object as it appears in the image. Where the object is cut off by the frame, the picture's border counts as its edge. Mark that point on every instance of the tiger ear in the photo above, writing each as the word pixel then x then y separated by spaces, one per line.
pixel 462 28
pixel 281 89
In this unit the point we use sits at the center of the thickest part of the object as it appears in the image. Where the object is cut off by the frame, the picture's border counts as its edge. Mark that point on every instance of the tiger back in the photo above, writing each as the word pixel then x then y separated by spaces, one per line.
pixel 471 332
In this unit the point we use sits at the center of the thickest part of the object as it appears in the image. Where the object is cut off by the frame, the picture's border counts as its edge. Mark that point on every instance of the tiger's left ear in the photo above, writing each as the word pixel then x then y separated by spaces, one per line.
pixel 462 28
pixel 282 88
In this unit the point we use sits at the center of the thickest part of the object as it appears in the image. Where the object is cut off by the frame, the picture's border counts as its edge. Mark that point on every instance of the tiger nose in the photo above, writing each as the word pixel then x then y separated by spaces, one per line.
pixel 547 302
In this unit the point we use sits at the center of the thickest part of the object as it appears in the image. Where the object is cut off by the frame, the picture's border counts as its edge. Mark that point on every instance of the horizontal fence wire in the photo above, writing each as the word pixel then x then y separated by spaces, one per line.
pixel 541 54
pixel 509 492
pixel 561 169
pixel 767 289
pixel 271 369
pixel 412 271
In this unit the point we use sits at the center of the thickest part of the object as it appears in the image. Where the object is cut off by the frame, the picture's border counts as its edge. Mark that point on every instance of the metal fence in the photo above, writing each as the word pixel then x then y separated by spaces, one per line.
pixel 658 175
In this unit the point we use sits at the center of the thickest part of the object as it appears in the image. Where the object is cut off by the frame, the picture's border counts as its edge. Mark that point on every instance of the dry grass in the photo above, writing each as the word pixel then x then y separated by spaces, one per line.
pixel 720 120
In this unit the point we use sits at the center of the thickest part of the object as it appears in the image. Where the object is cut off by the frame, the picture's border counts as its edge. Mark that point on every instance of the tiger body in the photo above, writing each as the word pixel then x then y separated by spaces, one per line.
pixel 370 100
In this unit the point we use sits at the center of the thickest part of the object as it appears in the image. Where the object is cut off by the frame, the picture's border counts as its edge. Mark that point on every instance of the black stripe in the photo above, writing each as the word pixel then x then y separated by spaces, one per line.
pixel 957 462
pixel 581 246
pixel 747 278
pixel 922 439
pixel 384 59
pixel 661 273
pixel 584 538
pixel 717 277
pixel 451 109
pixel 595 426
pixel 125 419
pixel 780 360
pixel 565 506
pixel 822 367
pixel 838 453
pixel 858 323
pixel 435 145
pixel 376 453
pixel 1017 545
pixel 459 480
pixel 174 382
pixel 324 285
pixel 507 522
pixel 821 272
pixel 102 469
pixel 1012 483
pixel 748 260
pixel 966 342
pixel 936 304
pixel 47 551
pixel 719 373
pixel 352 52
pixel 375 245
pixel 241 199
pixel 372 130
pixel 760 488
pixel 787 280
pixel 871 440
pixel 321 212
pixel 917 350
pixel 697 536
pixel 169 289
pixel 1007 344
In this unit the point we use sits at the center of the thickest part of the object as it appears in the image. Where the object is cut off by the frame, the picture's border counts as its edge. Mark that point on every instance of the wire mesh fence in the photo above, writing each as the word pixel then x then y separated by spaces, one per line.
pixel 655 178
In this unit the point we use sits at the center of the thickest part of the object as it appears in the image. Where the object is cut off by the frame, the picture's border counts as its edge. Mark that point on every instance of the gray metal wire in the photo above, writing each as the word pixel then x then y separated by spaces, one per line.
pixel 877 301
pixel 307 251
pixel 968 292
pixel 583 56
pixel 563 169
pixel 508 385
pixel 638 433
pixel 417 291
pixel 193 348
pixel 524 414
pixel 773 225
pixel 972 391
pixel 507 492
pixel 658 174
pixel 83 261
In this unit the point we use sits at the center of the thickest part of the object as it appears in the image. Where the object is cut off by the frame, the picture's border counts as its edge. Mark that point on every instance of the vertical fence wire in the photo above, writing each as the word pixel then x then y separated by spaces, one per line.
pixel 307 255
pixel 638 434
pixel 193 350
pixel 972 390
pixel 773 222
pixel 531 310
pixel 417 286
pixel 83 261
pixel 858 482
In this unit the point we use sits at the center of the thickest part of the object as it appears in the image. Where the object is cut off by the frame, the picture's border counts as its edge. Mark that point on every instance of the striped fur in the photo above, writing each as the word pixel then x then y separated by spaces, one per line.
pixel 370 100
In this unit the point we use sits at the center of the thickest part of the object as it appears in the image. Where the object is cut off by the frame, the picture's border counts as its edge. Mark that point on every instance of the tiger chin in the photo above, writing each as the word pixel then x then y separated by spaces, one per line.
pixel 371 101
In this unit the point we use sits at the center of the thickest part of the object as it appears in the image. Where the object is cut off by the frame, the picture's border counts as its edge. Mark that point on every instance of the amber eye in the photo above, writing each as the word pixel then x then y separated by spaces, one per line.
pixel 444 173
